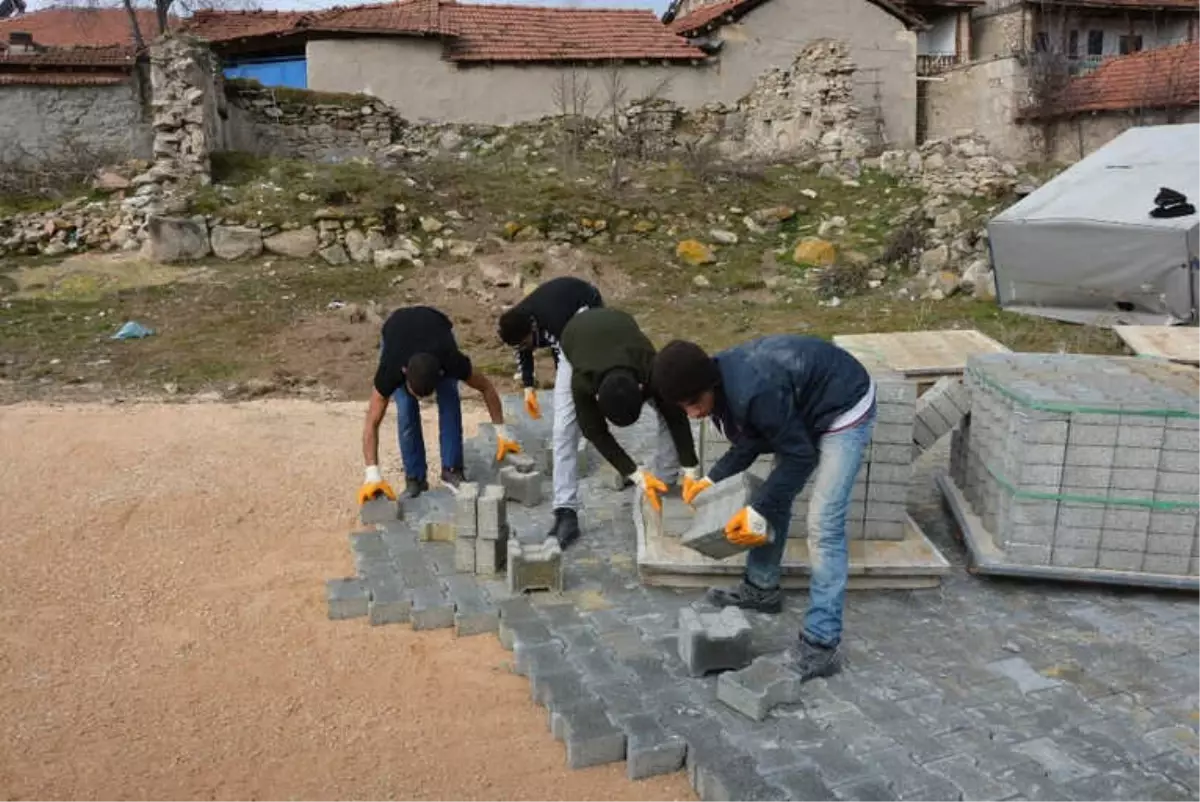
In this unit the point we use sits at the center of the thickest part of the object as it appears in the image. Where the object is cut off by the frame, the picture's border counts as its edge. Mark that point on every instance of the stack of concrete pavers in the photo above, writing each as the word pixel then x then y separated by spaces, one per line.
pixel 480 529
pixel 877 509
pixel 939 410
pixel 1083 462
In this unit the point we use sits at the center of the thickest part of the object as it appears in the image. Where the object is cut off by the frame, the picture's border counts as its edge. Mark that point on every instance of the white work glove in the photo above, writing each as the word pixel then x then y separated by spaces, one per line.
pixel 650 485
pixel 693 485
pixel 373 485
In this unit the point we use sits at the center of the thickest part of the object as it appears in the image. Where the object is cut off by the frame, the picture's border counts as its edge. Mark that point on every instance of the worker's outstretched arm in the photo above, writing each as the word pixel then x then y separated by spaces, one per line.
pixel 373 484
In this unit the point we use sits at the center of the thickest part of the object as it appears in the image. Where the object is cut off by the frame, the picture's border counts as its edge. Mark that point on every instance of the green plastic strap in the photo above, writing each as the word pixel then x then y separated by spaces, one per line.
pixel 1120 502
pixel 1069 408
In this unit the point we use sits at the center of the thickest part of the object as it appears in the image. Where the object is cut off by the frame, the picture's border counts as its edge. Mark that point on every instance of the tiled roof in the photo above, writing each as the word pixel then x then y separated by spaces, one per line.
pixel 81 27
pixel 418 17
pixel 538 33
pixel 1165 78
pixel 62 78
pixel 703 19
pixel 224 26
pixel 70 57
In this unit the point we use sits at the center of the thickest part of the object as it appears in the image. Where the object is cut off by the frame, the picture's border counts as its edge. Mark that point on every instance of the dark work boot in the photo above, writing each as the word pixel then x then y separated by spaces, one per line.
pixel 566 527
pixel 748 597
pixel 453 477
pixel 414 487
pixel 814 660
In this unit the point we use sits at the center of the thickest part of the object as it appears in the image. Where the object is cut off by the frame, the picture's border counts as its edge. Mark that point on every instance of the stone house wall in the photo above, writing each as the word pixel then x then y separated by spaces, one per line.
pixel 983 97
pixel 45 123
pixel 1071 139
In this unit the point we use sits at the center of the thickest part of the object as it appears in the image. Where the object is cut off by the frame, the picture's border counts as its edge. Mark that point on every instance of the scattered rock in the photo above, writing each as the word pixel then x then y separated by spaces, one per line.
pixel 390 257
pixel 298 244
pixel 644 226
pixel 236 242
pixel 831 226
pixel 814 251
pixel 334 254
pixel 948 220
pixel 935 260
pixel 694 252
pixel 723 237
pixel 701 281
pixel 175 239
pixel 109 180
pixel 356 246
pixel 773 215
pixel 431 225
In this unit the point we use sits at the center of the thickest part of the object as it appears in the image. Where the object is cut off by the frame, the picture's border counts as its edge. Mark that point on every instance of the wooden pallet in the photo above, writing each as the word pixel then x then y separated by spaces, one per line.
pixel 920 354
pixel 913 562
pixel 1176 343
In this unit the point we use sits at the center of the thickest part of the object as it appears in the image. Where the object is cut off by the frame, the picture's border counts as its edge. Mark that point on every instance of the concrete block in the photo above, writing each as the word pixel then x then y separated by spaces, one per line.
pixel 896 392
pixel 1179 483
pixel 1123 540
pixel 464 555
pixel 537 656
pixel 1141 436
pixel 1041 454
pixel 590 736
pixel 893 433
pixel 896 413
pixel 649 749
pixel 1090 456
pixel 1177 545
pixel 885 473
pixel 415 571
pixel 389 603
pixel 1028 534
pixel 1091 435
pixel 523 488
pixel 1076 537
pixel 380 510
pixel 1028 554
pixel 473 614
pixel 465 515
pixel 346 598
pixel 1030 429
pixel 1132 519
pixel 891 454
pixel 1068 557
pixel 492 514
pixel 755 689
pixel 1120 560
pixel 888 494
pixel 1179 462
pixel 1165 564
pixel 537 567
pixel 1138 481
pixel 490 556
pixel 1087 476
pixel 1136 458
pixel 437 531
pixel 713 641
pixel 885 511
pixel 1182 440
pixel 431 609
pixel 924 434
pixel 1173 522
pixel 558 689
pixel 522 462
pixel 714 508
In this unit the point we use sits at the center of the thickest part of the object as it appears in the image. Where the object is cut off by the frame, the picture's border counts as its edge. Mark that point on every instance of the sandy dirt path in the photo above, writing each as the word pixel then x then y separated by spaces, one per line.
pixel 164 632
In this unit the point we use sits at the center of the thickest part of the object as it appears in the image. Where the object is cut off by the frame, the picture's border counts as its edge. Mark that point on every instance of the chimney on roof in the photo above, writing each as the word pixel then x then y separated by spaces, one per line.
pixel 21 42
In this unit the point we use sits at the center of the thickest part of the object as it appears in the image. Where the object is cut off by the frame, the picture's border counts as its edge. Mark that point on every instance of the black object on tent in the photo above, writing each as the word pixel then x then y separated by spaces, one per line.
pixel 1169 203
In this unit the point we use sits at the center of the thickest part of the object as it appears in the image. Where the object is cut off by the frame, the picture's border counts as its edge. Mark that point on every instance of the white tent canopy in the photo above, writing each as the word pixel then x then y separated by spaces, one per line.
pixel 1084 247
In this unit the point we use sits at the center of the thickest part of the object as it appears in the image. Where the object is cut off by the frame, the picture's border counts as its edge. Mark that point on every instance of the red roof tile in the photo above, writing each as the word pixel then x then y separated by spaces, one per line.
pixel 538 33
pixel 417 17
pixel 224 26
pixel 703 19
pixel 62 78
pixel 1165 78
pixel 80 27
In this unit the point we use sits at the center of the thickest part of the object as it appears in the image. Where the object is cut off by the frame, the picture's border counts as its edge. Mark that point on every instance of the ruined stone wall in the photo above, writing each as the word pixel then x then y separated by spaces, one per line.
pixel 308 125
pixel 983 97
pixel 188 112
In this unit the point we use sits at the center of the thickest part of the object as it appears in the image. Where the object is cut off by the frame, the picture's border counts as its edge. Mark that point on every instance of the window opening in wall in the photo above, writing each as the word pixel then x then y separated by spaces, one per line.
pixel 1129 44
pixel 1073 44
pixel 1095 43
pixel 1041 42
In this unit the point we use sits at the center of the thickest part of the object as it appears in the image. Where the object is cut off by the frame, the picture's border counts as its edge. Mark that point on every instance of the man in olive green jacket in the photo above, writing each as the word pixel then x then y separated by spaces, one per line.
pixel 610 358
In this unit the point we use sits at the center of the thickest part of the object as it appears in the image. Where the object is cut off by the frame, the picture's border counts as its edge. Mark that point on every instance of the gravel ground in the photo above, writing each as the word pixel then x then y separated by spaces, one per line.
pixel 164 629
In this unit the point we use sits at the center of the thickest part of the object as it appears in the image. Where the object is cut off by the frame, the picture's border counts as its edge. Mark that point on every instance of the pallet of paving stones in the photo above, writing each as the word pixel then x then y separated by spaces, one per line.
pixel 1079 467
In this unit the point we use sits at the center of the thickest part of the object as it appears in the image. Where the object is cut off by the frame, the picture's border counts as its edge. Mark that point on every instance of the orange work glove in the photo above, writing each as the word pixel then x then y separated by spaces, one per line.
pixel 650 485
pixel 747 528
pixel 531 403
pixel 373 485
pixel 692 486
pixel 505 446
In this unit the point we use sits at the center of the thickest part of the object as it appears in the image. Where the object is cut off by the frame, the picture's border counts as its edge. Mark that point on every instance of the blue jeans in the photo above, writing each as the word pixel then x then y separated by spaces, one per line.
pixel 450 429
pixel 841 456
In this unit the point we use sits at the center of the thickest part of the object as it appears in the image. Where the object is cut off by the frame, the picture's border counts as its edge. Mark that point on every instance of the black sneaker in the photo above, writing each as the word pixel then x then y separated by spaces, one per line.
pixel 566 527
pixel 814 660
pixel 748 597
pixel 453 477
pixel 414 487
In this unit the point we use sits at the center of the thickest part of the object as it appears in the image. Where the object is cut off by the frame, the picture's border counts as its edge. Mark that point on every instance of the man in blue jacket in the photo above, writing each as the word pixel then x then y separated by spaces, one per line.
pixel 812 405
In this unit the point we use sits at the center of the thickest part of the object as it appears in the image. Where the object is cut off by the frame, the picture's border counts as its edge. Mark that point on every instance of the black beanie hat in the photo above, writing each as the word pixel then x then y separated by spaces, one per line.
pixel 620 397
pixel 682 371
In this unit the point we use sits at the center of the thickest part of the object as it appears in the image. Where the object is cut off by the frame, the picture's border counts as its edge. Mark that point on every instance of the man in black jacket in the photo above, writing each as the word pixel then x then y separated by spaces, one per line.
pixel 610 361
pixel 812 405
pixel 538 322
pixel 418 357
